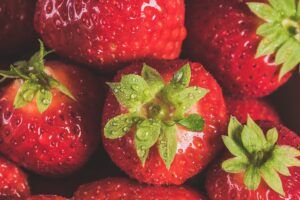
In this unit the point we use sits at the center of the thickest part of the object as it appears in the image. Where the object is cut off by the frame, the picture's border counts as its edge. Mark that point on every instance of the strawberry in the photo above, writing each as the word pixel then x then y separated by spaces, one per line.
pixel 264 167
pixel 16 26
pixel 48 119
pixel 46 197
pixel 250 47
pixel 120 188
pixel 13 182
pixel 104 33
pixel 163 126
pixel 258 109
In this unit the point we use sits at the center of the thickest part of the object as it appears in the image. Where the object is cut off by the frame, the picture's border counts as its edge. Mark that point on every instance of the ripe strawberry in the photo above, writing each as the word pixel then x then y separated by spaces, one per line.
pixel 248 55
pixel 16 26
pixel 13 182
pixel 156 128
pixel 264 168
pixel 120 188
pixel 104 33
pixel 258 109
pixel 46 197
pixel 44 128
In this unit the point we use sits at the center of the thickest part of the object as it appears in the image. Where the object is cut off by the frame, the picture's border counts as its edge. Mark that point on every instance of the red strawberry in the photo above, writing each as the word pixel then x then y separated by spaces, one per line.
pixel 262 169
pixel 152 127
pixel 16 26
pixel 46 197
pixel 248 55
pixel 120 188
pixel 13 182
pixel 104 33
pixel 44 127
pixel 258 109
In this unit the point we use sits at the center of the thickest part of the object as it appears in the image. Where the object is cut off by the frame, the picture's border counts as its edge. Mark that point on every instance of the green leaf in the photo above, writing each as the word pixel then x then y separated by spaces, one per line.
pixel 251 140
pixel 264 11
pixel 271 178
pixel 233 147
pixel 285 7
pixel 25 94
pixel 147 133
pixel 193 122
pixel 235 165
pixel 132 91
pixel 143 155
pixel 288 54
pixel 268 29
pixel 271 43
pixel 43 99
pixel 182 76
pixel 256 130
pixel 153 78
pixel 120 125
pixel 167 145
pixel 235 129
pixel 59 86
pixel 252 178
pixel 272 136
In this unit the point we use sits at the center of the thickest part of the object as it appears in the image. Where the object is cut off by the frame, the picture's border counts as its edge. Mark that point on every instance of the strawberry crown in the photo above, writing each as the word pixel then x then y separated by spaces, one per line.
pixel 281 32
pixel 36 82
pixel 155 109
pixel 257 155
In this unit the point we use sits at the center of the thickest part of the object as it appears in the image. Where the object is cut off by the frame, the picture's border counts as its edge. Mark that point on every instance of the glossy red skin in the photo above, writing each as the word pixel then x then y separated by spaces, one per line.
pixel 104 33
pixel 258 109
pixel 60 140
pixel 222 35
pixel 16 26
pixel 46 197
pixel 195 149
pixel 13 182
pixel 224 186
pixel 120 188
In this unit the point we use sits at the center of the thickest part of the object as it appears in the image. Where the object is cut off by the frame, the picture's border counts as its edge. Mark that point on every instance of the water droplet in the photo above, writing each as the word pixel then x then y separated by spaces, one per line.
pixel 45 101
pixel 125 129
pixel 133 96
pixel 135 87
pixel 28 95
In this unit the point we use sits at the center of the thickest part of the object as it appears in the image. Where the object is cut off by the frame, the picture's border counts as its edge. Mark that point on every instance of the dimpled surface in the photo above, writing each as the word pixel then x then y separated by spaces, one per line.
pixel 224 186
pixel 46 197
pixel 16 25
pixel 258 109
pixel 120 188
pixel 102 33
pixel 222 35
pixel 13 182
pixel 194 150
pixel 60 140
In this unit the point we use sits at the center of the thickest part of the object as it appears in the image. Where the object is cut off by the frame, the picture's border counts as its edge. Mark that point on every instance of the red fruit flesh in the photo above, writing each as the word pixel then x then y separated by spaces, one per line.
pixel 257 109
pixel 118 188
pixel 194 150
pixel 46 197
pixel 222 35
pixel 104 33
pixel 16 26
pixel 13 182
pixel 59 140
pixel 224 186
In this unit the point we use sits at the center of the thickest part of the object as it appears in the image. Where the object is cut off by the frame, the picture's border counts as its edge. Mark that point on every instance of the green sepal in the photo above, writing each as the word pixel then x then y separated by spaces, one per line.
pixel 233 147
pixel 272 136
pixel 153 79
pixel 268 29
pixel 118 126
pixel 261 139
pixel 287 7
pixel 252 177
pixel 167 144
pixel 43 99
pixel 234 130
pixel 61 87
pixel 143 155
pixel 279 166
pixel 235 165
pixel 193 122
pixel 182 76
pixel 264 11
pixel 25 94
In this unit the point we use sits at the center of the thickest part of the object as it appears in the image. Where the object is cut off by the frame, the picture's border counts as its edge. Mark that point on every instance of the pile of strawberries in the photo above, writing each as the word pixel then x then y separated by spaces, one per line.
pixel 147 99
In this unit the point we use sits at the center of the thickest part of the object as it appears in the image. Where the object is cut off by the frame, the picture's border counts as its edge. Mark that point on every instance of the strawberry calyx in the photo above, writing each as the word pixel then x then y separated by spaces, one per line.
pixel 155 109
pixel 36 83
pixel 280 33
pixel 257 155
